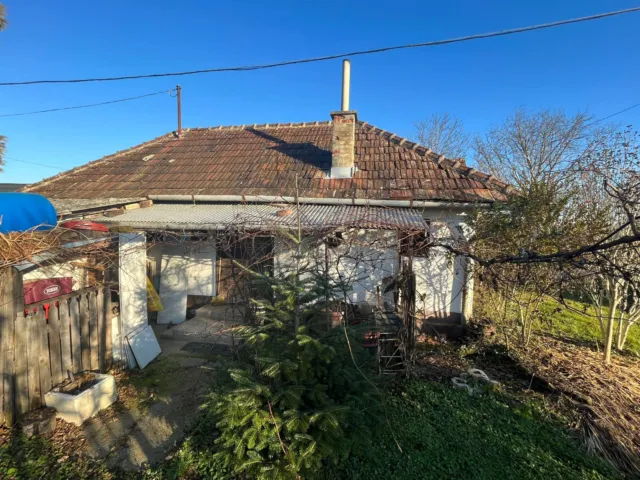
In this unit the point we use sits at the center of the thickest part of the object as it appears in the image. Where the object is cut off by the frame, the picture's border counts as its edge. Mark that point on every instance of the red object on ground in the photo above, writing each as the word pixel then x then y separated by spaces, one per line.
pixel 45 289
pixel 84 225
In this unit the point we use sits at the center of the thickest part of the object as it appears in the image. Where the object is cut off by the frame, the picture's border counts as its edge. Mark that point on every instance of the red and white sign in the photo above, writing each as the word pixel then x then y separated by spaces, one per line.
pixel 45 289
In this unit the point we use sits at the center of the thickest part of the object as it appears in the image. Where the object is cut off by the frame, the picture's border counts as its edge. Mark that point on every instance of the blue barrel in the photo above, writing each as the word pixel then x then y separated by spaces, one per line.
pixel 20 212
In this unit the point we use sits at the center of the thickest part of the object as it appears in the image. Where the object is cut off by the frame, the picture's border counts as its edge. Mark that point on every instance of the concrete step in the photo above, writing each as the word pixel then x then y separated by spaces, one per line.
pixel 442 328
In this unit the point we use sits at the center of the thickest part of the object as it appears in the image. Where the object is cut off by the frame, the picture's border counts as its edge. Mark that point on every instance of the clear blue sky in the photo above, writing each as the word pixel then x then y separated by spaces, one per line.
pixel 592 66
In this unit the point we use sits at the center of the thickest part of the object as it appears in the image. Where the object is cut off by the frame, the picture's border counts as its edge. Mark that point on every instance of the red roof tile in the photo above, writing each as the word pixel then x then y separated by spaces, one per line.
pixel 264 160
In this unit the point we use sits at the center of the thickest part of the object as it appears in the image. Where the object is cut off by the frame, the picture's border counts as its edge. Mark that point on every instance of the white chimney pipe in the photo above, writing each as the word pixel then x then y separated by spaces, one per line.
pixel 346 84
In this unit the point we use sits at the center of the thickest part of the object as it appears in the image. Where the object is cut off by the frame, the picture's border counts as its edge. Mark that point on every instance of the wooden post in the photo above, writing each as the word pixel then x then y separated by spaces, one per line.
pixel 11 297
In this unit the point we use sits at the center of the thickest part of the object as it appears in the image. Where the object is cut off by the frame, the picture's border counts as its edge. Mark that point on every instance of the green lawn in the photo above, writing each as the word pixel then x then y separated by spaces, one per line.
pixel 445 433
pixel 579 323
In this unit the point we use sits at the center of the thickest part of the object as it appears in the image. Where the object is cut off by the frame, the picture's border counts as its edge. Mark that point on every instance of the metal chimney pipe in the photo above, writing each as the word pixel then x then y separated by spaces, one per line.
pixel 346 84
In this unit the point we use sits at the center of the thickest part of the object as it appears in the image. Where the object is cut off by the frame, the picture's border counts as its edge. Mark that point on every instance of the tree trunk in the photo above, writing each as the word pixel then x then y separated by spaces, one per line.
pixel 620 332
pixel 610 324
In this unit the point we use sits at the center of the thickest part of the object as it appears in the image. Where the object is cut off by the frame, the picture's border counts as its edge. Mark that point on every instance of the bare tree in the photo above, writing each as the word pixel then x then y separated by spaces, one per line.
pixel 569 228
pixel 531 148
pixel 610 177
pixel 3 17
pixel 443 134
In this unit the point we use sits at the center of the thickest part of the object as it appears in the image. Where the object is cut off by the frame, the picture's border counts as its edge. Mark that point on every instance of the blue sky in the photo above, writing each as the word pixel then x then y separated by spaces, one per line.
pixel 592 66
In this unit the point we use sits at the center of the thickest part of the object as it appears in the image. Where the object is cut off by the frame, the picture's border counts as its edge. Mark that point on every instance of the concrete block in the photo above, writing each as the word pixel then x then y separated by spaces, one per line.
pixel 78 408
pixel 38 422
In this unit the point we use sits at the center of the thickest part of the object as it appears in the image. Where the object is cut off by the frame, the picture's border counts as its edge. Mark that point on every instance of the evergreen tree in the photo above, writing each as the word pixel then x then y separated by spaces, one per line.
pixel 301 397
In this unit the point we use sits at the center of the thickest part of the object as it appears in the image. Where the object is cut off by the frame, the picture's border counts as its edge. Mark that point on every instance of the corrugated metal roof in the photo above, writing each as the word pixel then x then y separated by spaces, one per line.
pixel 259 216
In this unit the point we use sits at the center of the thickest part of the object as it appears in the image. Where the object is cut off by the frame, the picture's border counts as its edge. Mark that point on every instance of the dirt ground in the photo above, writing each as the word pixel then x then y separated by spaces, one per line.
pixel 154 407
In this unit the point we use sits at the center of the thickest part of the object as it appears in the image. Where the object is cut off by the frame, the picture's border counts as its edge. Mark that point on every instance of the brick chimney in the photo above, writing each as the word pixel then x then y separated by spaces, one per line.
pixel 344 131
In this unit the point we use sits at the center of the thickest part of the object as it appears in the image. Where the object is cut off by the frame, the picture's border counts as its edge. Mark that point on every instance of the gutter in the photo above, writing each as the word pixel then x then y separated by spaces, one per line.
pixel 307 200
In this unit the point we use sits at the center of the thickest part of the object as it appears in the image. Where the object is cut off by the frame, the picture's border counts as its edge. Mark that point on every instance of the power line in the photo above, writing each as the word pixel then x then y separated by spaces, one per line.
pixel 341 55
pixel 614 114
pixel 34 163
pixel 85 106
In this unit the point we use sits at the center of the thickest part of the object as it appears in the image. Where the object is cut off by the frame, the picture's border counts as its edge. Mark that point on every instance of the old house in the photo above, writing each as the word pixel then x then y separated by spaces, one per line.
pixel 342 175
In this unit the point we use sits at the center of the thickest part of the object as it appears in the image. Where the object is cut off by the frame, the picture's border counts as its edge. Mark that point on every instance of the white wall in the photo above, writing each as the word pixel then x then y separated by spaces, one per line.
pixel 59 270
pixel 173 286
pixel 444 282
pixel 185 269
pixel 132 274
pixel 362 261
pixel 439 283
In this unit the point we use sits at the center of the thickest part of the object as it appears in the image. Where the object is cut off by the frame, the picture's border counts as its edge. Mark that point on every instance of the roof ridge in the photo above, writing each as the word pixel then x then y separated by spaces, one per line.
pixel 261 126
pixel 132 149
pixel 457 164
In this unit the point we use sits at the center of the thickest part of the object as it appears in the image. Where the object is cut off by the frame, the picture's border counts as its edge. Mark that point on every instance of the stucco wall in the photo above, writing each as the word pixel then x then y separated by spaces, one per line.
pixel 59 270
pixel 444 282
pixel 439 283
pixel 362 260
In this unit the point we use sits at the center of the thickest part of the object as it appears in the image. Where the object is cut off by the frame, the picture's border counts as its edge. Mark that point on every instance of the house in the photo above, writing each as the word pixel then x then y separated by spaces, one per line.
pixel 342 175
pixel 11 187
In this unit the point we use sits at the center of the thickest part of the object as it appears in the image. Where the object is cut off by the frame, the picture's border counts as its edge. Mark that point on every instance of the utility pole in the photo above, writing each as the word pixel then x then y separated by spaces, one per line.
pixel 179 98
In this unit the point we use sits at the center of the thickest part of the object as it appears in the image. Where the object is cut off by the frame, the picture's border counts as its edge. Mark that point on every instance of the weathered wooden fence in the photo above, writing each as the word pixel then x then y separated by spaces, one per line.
pixel 42 342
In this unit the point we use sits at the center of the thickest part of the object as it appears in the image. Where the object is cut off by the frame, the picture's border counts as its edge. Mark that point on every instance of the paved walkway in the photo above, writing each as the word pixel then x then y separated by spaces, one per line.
pixel 137 434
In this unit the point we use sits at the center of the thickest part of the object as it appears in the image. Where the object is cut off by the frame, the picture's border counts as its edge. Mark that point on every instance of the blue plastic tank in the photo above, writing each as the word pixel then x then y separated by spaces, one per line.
pixel 20 212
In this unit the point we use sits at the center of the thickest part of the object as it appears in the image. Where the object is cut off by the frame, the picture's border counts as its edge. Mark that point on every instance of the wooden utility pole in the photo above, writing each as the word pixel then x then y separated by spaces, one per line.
pixel 179 99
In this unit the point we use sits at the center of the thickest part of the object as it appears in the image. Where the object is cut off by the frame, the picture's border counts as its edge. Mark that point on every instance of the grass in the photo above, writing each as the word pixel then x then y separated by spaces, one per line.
pixel 445 433
pixel 579 323
pixel 37 457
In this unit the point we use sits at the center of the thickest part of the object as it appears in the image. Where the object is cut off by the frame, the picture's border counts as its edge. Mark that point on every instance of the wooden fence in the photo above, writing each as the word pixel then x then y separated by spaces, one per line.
pixel 42 342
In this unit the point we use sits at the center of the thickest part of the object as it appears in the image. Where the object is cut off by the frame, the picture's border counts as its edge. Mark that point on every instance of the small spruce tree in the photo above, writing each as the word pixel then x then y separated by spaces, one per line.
pixel 301 396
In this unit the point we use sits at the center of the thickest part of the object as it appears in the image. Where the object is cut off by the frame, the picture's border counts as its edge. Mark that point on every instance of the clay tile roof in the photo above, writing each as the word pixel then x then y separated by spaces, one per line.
pixel 266 159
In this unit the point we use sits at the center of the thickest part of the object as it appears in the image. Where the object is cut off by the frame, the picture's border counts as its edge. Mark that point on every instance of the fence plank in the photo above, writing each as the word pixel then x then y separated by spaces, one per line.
pixel 55 349
pixel 76 344
pixel 65 338
pixel 108 315
pixel 43 353
pixel 21 363
pixel 10 287
pixel 33 360
pixel 101 329
pixel 93 330
pixel 85 344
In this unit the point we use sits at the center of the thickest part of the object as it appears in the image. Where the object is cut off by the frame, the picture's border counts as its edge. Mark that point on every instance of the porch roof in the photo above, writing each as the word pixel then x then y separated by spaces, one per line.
pixel 266 217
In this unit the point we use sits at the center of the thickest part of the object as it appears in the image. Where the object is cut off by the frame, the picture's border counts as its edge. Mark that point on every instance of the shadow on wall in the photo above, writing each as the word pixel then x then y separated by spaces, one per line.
pixel 439 287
